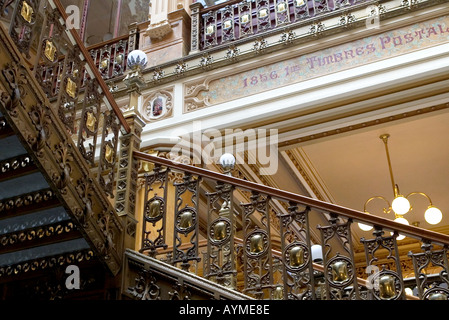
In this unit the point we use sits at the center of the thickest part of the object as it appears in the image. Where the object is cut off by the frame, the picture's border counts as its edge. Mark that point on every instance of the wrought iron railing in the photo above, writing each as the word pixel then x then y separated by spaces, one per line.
pixel 241 251
pixel 74 82
pixel 237 19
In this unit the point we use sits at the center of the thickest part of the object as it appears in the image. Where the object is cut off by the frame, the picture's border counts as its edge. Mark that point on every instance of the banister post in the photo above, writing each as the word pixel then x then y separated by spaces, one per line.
pixel 126 187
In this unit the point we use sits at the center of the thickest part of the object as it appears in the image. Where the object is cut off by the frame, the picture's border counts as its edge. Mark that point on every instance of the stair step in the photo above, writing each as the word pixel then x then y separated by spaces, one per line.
pixel 27 203
pixel 17 166
pixel 23 184
pixel 10 147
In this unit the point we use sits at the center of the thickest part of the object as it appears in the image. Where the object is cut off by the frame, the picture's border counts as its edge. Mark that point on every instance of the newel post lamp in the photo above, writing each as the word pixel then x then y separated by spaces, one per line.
pixel 401 204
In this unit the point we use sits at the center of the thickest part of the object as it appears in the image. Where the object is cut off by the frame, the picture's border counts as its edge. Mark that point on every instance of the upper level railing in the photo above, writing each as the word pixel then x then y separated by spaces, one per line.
pixel 237 19
pixel 274 258
pixel 73 81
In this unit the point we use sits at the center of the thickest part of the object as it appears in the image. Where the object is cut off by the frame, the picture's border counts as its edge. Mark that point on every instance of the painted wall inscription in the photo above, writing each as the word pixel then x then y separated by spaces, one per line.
pixel 338 58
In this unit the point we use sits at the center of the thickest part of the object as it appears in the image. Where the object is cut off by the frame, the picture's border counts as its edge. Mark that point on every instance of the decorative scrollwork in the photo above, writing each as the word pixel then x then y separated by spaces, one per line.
pixel 40 117
pixel 153 226
pixel 145 287
pixel 186 221
pixel 16 79
pixel 63 156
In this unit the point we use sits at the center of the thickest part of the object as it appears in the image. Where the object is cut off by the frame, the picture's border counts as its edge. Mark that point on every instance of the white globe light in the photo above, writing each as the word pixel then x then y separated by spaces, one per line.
pixel 317 253
pixel 433 215
pixel 137 58
pixel 365 227
pixel 403 221
pixel 400 205
pixel 227 161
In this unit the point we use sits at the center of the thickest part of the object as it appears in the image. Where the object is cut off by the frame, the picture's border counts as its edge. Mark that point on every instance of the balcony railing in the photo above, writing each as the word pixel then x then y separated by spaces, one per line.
pixel 263 247
pixel 237 19
pixel 74 81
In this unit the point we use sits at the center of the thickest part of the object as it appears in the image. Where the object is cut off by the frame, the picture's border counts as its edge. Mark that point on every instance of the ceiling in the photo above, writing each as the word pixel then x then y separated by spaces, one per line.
pixel 353 167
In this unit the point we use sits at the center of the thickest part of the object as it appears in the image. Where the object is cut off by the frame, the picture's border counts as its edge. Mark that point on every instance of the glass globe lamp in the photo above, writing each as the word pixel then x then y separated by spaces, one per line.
pixel 137 59
pixel 403 221
pixel 400 205
pixel 433 215
pixel 227 162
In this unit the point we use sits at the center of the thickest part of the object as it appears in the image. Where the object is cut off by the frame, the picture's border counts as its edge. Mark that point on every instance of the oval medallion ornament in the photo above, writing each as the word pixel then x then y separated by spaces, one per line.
pixel 296 256
pixel 339 271
pixel 387 285
pixel 220 230
pixel 257 243
pixel 185 221
pixel 436 293
pixel 387 289
pixel 154 209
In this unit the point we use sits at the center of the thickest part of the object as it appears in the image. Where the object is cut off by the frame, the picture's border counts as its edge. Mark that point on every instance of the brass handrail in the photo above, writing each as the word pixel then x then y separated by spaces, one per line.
pixel 93 68
pixel 325 207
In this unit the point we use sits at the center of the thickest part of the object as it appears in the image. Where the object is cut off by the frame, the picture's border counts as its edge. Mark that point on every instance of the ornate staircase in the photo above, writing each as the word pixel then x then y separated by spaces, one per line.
pixel 70 162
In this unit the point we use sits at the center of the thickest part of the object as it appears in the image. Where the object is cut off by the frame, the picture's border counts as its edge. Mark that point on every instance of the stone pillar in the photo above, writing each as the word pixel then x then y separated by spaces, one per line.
pixel 195 32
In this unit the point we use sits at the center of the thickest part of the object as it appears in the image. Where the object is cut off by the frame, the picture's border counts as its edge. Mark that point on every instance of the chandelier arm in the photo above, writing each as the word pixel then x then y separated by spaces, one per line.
pixel 420 193
pixel 386 210
pixel 384 138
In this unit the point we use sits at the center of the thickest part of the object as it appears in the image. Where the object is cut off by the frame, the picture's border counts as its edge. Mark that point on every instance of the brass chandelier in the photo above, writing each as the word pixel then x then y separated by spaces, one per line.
pixel 401 204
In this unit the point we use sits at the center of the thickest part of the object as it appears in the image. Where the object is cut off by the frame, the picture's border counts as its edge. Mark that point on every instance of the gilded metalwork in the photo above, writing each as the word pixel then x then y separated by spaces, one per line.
pixel 387 284
pixel 50 51
pixel 155 208
pixel 339 272
pixel 297 274
pixel 282 13
pixel 263 15
pixel 108 154
pixel 27 12
pixel 210 27
pixel 340 277
pixel 40 117
pixel 257 257
pixel 88 132
pixel 71 88
pixel 387 287
pixel 154 223
pixel 186 222
pixel 220 260
pixel 431 288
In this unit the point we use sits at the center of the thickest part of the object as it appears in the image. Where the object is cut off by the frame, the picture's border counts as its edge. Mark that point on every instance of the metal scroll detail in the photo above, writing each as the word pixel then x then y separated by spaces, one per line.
pixel 339 270
pixel 227 24
pixel 108 153
pixel 263 15
pixel 431 289
pixel 186 222
pixel 23 24
pixel 257 256
pixel 245 19
pixel 296 256
pixel 385 284
pixel 89 122
pixel 282 12
pixel 221 264
pixel 153 233
pixel 210 29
